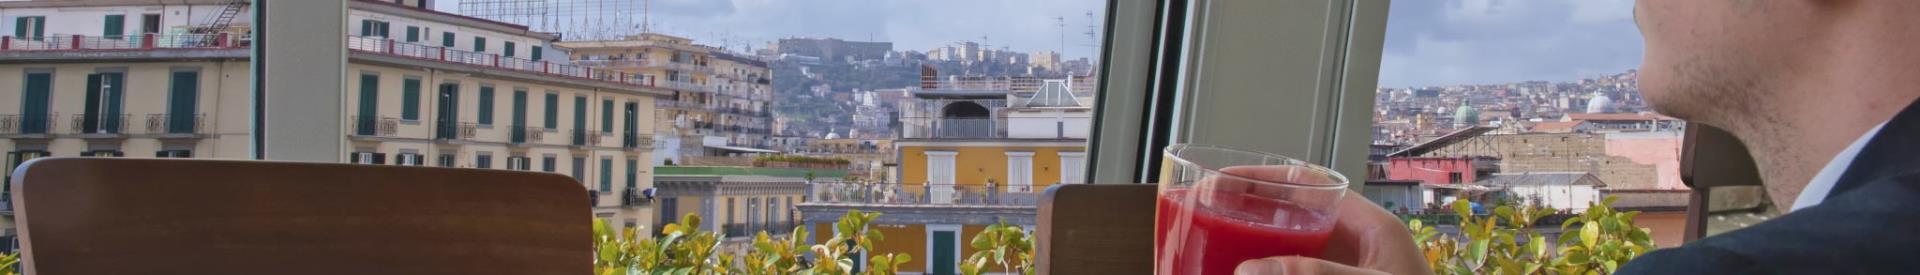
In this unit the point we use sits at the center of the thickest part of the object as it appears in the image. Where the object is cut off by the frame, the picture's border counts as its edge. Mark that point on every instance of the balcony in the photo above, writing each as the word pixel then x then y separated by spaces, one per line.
pixel 635 141
pixel 445 131
pixel 733 230
pixel 367 126
pixel 922 195
pixel 630 198
pixel 27 125
pixel 390 47
pixel 140 42
pixel 177 126
pixel 952 128
pixel 100 126
pixel 525 135
pixel 578 137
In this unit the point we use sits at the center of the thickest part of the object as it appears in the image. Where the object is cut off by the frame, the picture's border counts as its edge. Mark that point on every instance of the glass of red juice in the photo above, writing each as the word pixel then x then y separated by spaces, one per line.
pixel 1220 206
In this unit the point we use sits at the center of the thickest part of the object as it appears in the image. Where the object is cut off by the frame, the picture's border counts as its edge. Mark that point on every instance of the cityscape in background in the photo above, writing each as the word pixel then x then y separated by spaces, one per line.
pixel 1563 145
pixel 794 133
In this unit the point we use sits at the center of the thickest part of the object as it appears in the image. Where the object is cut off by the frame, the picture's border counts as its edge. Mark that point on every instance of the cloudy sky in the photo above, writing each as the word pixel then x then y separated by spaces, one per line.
pixel 1020 25
pixel 1439 42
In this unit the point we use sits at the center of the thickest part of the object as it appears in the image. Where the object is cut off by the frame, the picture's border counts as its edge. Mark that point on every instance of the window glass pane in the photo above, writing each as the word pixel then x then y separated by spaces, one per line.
pixel 1502 105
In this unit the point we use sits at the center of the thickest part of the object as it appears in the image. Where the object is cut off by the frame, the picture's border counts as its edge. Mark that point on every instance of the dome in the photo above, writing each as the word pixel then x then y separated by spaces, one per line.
pixel 1466 116
pixel 1599 104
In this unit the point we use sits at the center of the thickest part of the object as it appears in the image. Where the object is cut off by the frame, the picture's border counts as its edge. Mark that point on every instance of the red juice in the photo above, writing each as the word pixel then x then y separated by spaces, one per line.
pixel 1220 235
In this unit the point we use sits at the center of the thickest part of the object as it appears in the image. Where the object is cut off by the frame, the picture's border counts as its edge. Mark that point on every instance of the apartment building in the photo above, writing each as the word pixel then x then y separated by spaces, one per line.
pixel 719 102
pixel 423 87
pixel 972 152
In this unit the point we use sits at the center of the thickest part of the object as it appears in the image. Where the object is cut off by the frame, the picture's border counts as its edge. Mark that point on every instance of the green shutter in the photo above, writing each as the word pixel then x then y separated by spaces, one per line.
pixel 606 175
pixel 181 101
pixel 486 105
pixel 20 27
pixel 366 27
pixel 369 104
pixel 39 28
pixel 519 109
pixel 632 181
pixel 553 111
pixel 116 25
pixel 536 53
pixel 446 39
pixel 34 101
pixel 606 116
pixel 479 44
pixel 410 99
pixel 413 34
pixel 509 49
pixel 580 113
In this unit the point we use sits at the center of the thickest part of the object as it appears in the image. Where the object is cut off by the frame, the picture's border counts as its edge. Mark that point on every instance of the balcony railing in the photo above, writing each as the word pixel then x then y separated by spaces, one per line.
pixel 999 83
pixel 456 131
pixel 375 126
pixel 952 128
pixel 100 124
pixel 734 230
pixel 633 198
pixel 27 124
pixel 579 137
pixel 385 46
pixel 523 135
pixel 124 42
pixel 921 194
pixel 188 124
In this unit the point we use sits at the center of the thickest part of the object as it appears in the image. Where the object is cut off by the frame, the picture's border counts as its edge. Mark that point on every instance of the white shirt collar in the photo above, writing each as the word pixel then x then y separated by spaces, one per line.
pixel 1822 183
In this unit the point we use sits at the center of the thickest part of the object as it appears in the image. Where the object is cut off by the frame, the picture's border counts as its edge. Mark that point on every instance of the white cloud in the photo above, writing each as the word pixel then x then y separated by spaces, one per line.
pixel 1494 41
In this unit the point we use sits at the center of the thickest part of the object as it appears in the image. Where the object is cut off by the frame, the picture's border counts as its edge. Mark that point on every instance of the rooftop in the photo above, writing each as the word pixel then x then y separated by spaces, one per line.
pixel 1618 117
pixel 746 171
pixel 1541 178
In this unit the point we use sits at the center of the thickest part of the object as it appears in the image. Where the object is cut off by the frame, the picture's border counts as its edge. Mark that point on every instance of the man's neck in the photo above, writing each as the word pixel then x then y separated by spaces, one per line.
pixel 1801 135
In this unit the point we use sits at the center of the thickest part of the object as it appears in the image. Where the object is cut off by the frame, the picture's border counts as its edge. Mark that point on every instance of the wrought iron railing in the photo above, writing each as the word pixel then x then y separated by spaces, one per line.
pixel 191 124
pixel 100 123
pixel 922 194
pixel 374 126
pixel 27 124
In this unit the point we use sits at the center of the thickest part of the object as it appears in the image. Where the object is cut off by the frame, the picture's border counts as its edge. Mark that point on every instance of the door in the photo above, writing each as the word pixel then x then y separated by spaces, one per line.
pixel 369 105
pixel 519 122
pixel 945 246
pixel 632 137
pixel 34 111
pixel 940 173
pixel 150 23
pixel 181 102
pixel 446 117
pixel 103 101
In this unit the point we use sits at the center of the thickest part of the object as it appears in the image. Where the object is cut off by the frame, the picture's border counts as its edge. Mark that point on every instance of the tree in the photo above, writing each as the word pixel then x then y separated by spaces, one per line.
pixel 1597 241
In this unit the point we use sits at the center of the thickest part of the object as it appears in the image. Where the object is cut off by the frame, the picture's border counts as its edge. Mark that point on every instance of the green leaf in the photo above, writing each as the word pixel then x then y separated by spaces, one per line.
pixel 1461 208
pixel 1610 265
pixel 1590 234
pixel 1478 252
pixel 902 258
pixel 1539 246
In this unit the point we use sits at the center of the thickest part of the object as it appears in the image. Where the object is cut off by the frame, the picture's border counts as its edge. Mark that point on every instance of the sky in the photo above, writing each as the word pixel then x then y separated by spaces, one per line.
pixel 1445 42
pixel 919 25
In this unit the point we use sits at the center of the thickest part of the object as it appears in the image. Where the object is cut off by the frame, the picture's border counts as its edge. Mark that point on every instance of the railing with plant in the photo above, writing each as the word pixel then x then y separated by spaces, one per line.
pixel 684 249
pixel 1597 241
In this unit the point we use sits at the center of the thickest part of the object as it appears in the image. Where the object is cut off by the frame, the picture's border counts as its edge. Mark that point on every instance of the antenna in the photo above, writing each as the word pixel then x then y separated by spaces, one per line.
pixel 1061 22
pixel 1093 36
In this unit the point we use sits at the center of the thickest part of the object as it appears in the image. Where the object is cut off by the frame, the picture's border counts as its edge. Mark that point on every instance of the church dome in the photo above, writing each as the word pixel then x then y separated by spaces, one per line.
pixel 1600 104
pixel 1466 116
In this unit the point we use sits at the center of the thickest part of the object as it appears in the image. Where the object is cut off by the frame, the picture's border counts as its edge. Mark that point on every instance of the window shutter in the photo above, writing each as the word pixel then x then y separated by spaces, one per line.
pixel 379 158
pixel 366 27
pixel 410 99
pixel 413 34
pixel 20 27
pixel 536 53
pixel 351 157
pixel 116 25
pixel 446 39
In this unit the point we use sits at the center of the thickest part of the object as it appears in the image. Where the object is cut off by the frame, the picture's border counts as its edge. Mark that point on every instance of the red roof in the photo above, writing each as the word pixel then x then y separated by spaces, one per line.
pixel 1618 116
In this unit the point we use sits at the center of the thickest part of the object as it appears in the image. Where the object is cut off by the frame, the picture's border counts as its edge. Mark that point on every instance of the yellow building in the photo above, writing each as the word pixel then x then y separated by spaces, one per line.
pixel 719 102
pixel 972 153
pixel 423 88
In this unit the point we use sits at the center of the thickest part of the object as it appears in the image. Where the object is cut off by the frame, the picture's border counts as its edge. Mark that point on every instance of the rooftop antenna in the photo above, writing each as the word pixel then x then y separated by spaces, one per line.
pixel 646 11
pixel 1061 22
pixel 1093 36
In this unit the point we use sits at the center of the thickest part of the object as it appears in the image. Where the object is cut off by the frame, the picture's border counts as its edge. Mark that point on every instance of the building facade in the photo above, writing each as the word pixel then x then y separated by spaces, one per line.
pixel 973 152
pixel 423 88
pixel 718 102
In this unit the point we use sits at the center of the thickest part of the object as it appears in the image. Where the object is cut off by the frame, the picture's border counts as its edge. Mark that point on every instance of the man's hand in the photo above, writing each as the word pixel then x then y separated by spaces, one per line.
pixel 1365 240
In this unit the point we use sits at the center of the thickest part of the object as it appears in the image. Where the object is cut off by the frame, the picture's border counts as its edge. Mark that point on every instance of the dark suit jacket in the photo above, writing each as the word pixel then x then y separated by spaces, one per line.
pixel 1868 224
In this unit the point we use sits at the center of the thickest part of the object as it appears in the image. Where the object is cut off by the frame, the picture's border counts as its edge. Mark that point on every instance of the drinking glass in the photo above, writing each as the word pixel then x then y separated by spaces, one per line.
pixel 1219 206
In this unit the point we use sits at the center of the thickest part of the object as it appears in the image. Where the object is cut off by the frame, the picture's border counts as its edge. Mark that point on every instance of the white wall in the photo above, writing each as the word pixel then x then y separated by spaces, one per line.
pixel 430 33
pixel 1047 124
pixel 90 21
pixel 1569 197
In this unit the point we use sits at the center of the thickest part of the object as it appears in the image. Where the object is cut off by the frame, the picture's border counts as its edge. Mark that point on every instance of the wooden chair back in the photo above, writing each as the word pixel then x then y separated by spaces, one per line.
pixel 1095 229
pixel 175 216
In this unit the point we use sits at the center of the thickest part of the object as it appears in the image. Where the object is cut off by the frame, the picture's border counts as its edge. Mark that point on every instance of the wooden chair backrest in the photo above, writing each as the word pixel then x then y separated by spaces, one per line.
pixel 174 216
pixel 1095 229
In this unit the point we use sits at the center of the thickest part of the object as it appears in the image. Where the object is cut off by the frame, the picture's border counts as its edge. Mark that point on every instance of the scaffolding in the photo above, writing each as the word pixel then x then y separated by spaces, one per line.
pixel 574 20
